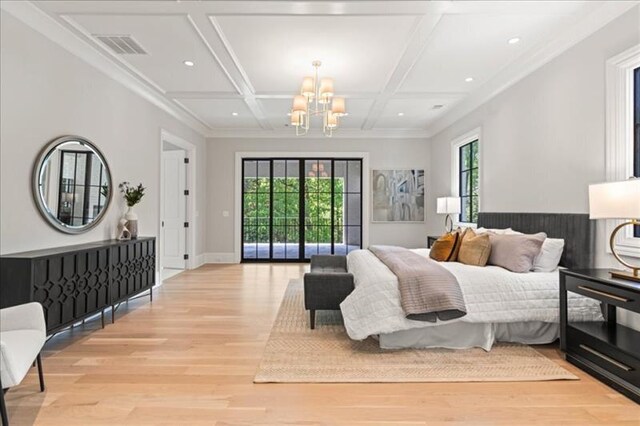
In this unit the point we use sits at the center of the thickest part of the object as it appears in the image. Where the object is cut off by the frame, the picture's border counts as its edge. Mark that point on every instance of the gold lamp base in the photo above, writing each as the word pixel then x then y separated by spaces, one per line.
pixel 634 274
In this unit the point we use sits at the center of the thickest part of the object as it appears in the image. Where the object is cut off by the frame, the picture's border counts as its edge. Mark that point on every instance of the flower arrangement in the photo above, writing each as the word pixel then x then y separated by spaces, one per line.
pixel 131 194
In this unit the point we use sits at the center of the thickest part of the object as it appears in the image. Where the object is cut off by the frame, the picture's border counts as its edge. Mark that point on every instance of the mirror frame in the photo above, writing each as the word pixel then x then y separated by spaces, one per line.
pixel 35 185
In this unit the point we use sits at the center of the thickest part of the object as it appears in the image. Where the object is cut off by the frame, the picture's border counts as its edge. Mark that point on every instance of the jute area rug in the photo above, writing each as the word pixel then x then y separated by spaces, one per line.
pixel 297 354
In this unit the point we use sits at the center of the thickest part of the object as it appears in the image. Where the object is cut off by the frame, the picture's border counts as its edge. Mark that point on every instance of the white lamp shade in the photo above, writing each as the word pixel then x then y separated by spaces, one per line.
pixel 326 90
pixel 307 87
pixel 615 200
pixel 332 120
pixel 299 104
pixel 296 118
pixel 337 107
pixel 448 205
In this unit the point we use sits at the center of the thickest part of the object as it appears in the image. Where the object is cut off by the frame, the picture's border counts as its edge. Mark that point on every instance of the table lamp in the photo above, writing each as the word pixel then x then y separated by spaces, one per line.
pixel 448 206
pixel 617 200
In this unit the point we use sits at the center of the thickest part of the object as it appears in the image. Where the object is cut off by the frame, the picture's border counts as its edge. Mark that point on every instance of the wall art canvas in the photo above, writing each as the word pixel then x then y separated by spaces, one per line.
pixel 398 195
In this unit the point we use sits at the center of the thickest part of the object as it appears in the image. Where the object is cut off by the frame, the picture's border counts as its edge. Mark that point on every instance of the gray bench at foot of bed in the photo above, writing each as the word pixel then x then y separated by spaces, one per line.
pixel 326 285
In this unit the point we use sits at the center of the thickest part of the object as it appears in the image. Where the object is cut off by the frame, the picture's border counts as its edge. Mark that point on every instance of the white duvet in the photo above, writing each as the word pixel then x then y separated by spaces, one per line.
pixel 492 295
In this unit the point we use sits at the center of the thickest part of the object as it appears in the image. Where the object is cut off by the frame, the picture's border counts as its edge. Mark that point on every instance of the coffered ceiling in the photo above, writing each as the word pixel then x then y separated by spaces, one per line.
pixel 407 69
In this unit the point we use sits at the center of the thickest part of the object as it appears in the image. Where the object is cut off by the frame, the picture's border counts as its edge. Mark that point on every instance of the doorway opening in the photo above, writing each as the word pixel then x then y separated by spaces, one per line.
pixel 176 205
pixel 293 208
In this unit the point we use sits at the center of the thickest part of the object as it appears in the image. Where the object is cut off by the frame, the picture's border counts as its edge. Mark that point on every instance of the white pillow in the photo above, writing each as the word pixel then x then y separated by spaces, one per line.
pixel 507 231
pixel 549 256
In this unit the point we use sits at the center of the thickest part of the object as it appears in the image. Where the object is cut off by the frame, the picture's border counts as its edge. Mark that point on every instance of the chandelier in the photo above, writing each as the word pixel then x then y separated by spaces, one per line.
pixel 316 99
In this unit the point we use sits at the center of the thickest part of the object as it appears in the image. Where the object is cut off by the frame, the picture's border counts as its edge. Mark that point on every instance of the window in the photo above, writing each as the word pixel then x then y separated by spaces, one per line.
pixel 468 185
pixel 294 208
pixel 636 132
pixel 623 135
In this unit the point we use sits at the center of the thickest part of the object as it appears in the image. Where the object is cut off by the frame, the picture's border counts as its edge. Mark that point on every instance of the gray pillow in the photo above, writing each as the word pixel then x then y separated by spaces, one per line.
pixel 515 252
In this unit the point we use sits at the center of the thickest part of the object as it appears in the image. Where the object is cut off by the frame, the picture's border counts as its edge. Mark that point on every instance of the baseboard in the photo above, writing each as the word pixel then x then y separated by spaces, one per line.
pixel 219 258
pixel 199 260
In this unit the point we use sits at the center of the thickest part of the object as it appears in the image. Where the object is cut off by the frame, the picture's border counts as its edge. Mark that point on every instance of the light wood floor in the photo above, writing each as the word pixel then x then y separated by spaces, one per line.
pixel 189 359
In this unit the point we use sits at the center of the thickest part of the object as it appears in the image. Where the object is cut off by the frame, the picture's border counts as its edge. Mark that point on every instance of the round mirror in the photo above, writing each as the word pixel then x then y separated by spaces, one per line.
pixel 72 184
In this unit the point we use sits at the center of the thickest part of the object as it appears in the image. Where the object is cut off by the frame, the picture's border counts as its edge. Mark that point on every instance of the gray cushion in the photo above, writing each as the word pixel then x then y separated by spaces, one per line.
pixel 327 269
pixel 515 252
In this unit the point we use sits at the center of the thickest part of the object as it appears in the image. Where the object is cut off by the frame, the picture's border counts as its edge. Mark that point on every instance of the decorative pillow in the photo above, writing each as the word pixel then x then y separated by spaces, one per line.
pixel 515 253
pixel 549 257
pixel 506 231
pixel 475 249
pixel 456 250
pixel 443 248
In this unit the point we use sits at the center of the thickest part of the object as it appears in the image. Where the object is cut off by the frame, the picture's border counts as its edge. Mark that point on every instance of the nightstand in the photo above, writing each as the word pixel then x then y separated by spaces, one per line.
pixel 607 350
pixel 431 240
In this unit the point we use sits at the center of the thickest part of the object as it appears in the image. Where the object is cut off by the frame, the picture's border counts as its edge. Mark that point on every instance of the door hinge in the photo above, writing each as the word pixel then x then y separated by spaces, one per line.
pixel 186 257
pixel 186 161
pixel 186 192
pixel 163 223
pixel 186 224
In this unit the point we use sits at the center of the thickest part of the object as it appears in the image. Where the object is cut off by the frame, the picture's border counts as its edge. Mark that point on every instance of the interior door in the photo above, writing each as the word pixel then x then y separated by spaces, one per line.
pixel 174 209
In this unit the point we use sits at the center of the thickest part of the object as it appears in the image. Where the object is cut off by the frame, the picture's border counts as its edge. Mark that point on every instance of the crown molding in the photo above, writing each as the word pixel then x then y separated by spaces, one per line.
pixel 317 134
pixel 40 21
pixel 533 60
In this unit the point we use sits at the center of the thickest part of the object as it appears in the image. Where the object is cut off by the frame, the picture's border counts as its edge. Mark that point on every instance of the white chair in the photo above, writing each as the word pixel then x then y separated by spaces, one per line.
pixel 22 336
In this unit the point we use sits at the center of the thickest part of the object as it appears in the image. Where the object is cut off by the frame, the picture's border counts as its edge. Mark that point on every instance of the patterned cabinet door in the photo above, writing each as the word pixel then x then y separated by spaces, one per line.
pixel 54 286
pixel 71 286
pixel 92 285
pixel 132 268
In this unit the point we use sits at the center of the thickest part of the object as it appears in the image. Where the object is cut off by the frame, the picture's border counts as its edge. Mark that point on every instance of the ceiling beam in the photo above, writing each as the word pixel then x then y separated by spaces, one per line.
pixel 219 46
pixel 52 27
pixel 418 41
pixel 535 58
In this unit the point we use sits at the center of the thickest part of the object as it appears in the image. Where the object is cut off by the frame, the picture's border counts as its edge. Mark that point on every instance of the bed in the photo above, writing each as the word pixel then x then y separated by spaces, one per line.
pixel 501 305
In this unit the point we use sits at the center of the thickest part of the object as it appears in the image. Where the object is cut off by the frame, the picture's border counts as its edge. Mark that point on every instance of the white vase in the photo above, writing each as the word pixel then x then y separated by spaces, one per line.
pixel 132 222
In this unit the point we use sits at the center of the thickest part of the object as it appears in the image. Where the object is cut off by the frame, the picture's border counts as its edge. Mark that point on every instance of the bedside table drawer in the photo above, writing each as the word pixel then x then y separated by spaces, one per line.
pixel 603 355
pixel 606 293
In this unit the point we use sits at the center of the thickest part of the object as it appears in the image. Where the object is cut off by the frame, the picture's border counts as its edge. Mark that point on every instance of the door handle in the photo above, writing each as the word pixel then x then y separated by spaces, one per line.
pixel 603 293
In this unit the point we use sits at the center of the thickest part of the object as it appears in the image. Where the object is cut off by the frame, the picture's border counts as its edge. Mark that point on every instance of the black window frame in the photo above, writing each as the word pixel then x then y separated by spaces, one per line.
pixel 636 132
pixel 474 146
pixel 302 228
pixel 71 185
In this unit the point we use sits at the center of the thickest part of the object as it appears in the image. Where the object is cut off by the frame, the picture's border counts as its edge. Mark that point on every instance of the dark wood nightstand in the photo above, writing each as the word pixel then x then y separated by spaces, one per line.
pixel 607 350
pixel 431 240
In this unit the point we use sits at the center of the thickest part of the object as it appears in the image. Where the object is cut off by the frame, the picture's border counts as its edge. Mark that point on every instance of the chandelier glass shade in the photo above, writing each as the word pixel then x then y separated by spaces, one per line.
pixel 317 98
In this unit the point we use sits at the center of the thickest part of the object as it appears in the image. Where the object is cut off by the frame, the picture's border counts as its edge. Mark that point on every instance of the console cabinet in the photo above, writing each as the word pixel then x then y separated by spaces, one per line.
pixel 75 282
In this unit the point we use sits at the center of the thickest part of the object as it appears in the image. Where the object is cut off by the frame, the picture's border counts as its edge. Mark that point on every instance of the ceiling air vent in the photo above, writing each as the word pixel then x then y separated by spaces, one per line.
pixel 122 44
pixel 438 106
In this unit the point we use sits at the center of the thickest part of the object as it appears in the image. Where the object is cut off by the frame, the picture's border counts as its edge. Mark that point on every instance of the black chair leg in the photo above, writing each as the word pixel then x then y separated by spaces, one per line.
pixel 312 317
pixel 40 375
pixel 3 408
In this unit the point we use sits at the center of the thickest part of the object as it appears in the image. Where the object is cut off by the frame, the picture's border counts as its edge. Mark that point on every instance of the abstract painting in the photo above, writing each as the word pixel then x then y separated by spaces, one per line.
pixel 398 195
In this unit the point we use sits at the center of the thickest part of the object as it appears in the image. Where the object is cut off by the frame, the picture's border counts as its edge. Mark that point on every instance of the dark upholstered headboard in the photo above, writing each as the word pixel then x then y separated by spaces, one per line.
pixel 578 232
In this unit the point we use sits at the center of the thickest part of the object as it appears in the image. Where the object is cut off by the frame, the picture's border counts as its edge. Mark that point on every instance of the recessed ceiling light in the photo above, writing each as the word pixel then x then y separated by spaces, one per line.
pixel 235 114
pixel 514 40
pixel 189 63
pixel 289 114
pixel 400 114
pixel 468 79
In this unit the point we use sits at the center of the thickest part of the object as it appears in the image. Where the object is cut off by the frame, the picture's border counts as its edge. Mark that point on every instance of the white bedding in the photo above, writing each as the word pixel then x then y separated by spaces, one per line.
pixel 492 295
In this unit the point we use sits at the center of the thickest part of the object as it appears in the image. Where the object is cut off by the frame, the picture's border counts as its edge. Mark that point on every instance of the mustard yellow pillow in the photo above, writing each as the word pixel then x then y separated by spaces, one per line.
pixel 444 247
pixel 474 249
pixel 456 250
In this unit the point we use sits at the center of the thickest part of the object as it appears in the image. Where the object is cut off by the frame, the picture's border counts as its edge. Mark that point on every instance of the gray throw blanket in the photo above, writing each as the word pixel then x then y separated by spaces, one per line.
pixel 427 290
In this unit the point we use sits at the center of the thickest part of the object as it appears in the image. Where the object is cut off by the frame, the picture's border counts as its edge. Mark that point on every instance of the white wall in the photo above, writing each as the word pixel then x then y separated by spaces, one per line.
pixel 48 92
pixel 543 139
pixel 383 153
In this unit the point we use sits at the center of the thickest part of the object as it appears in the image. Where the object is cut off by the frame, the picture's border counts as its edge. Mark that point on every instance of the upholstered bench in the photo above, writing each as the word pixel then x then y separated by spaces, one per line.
pixel 326 285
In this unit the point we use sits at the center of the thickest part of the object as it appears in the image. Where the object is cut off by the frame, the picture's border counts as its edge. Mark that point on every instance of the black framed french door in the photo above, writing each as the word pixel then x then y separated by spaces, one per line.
pixel 293 208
